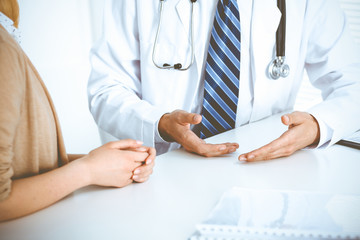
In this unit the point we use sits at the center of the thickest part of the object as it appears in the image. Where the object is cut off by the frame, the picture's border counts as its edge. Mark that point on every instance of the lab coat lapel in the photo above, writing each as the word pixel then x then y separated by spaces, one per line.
pixel 203 22
pixel 183 8
pixel 265 21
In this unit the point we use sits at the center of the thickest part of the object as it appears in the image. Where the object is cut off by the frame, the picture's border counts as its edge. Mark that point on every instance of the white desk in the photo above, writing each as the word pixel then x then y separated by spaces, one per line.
pixel 184 188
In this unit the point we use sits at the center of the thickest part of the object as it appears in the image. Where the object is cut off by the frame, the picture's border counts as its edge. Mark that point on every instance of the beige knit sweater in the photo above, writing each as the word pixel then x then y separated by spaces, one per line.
pixel 30 137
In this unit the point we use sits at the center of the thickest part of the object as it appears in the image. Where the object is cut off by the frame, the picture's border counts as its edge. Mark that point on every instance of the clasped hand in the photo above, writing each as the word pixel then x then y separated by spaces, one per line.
pixel 119 163
pixel 303 130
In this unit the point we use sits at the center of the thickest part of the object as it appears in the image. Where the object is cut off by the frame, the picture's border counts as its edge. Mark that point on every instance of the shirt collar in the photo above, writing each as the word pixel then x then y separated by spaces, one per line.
pixel 8 24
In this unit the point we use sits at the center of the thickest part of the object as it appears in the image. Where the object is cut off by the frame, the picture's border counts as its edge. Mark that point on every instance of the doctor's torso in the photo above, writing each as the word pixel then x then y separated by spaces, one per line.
pixel 259 96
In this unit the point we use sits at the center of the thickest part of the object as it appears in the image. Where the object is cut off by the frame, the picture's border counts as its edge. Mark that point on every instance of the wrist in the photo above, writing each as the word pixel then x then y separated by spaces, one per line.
pixel 82 171
pixel 163 128
pixel 316 130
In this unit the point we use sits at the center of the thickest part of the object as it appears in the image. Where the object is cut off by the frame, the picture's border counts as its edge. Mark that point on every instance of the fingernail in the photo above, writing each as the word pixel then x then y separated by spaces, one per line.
pixel 148 161
pixel 137 171
pixel 196 118
pixel 242 158
pixel 222 148
pixel 251 157
pixel 135 177
pixel 286 118
pixel 141 149
pixel 139 142
pixel 232 150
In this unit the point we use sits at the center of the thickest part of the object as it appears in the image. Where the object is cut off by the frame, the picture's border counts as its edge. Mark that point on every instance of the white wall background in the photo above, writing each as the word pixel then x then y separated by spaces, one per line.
pixel 308 95
pixel 57 36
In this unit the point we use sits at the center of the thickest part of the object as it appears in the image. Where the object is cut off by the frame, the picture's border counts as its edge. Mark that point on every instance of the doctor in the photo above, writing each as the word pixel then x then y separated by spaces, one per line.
pixel 131 97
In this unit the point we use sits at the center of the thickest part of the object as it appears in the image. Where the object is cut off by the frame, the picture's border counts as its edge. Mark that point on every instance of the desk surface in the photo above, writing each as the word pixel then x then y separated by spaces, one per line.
pixel 184 188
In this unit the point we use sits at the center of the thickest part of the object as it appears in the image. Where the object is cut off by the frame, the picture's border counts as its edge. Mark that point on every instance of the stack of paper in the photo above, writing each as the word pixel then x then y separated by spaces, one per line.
pixel 270 214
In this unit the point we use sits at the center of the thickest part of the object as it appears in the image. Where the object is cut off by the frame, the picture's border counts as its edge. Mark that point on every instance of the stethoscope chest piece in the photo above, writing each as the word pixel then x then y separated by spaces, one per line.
pixel 278 68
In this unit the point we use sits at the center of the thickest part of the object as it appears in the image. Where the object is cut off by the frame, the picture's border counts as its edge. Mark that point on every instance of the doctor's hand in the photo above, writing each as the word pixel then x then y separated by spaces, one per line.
pixel 303 130
pixel 175 126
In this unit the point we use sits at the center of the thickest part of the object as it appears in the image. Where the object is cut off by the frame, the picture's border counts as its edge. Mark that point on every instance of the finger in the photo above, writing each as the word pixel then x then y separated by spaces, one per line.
pixel 294 118
pixel 188 118
pixel 214 150
pixel 136 158
pixel 303 131
pixel 138 149
pixel 279 147
pixel 225 149
pixel 126 143
pixel 152 155
pixel 141 180
pixel 285 145
pixel 262 155
pixel 150 151
pixel 143 171
pixel 196 145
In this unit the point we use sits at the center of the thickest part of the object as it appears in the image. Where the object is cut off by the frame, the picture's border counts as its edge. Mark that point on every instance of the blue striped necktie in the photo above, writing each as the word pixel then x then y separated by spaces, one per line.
pixel 222 71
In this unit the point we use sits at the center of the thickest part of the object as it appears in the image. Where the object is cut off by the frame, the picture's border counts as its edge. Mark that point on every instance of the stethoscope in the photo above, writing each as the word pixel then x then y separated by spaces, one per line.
pixel 277 67
pixel 177 66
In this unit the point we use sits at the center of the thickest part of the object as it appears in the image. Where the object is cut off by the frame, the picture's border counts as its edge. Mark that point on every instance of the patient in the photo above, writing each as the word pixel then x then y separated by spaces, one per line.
pixel 35 170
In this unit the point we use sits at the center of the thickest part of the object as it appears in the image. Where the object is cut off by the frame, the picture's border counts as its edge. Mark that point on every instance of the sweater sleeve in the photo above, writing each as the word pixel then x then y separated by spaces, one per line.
pixel 12 88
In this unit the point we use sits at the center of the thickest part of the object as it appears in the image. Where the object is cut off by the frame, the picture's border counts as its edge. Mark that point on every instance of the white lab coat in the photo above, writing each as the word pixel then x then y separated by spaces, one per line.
pixel 128 94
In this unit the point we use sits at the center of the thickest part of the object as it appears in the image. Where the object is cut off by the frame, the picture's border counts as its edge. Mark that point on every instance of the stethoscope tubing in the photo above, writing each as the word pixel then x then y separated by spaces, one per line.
pixel 281 31
pixel 177 66
pixel 277 67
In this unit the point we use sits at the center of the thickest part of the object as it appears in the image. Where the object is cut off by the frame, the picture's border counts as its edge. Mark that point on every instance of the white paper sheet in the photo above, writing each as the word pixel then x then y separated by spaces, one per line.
pixel 271 214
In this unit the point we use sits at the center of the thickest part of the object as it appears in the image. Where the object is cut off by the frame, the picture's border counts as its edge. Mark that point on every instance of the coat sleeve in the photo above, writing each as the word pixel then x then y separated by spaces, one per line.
pixel 11 97
pixel 333 65
pixel 114 87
